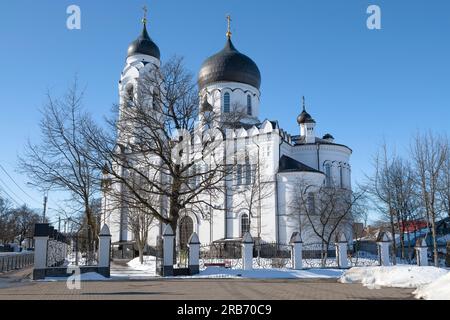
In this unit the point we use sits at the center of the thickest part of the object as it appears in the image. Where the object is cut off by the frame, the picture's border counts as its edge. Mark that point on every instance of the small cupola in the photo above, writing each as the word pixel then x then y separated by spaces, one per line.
pixel 307 125
pixel 328 137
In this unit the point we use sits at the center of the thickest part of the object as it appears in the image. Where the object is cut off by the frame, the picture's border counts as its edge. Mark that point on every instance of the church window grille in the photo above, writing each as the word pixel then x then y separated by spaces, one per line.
pixel 226 102
pixel 245 224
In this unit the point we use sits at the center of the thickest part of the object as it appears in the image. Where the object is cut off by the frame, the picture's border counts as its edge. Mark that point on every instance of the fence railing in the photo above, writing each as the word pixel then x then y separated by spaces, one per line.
pixel 16 261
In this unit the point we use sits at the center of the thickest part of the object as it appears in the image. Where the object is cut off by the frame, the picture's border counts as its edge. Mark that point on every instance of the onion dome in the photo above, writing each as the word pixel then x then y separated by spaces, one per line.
pixel 328 137
pixel 229 65
pixel 305 117
pixel 144 44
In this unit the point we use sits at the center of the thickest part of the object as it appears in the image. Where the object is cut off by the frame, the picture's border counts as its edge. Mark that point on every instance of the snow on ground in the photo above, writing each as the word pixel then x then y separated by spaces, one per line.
pixel 220 272
pixel 136 270
pixel 437 290
pixel 400 276
pixel 149 264
pixel 90 276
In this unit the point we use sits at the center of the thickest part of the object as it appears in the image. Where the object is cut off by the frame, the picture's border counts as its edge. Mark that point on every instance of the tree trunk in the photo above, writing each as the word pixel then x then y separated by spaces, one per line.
pixel 141 254
pixel 433 233
pixel 394 245
pixel 401 233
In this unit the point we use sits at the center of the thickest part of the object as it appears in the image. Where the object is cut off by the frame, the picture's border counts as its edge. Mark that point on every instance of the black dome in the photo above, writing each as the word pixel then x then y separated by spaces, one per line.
pixel 144 45
pixel 305 117
pixel 229 65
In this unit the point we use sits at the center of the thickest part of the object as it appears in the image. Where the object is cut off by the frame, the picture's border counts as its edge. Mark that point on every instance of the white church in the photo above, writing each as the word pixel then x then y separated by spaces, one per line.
pixel 225 79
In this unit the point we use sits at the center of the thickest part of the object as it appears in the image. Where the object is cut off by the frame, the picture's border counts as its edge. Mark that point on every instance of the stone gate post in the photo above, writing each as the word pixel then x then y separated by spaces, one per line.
pixel 296 251
pixel 421 252
pixel 168 245
pixel 247 252
pixel 194 254
pixel 383 243
pixel 341 251
pixel 41 237
pixel 104 251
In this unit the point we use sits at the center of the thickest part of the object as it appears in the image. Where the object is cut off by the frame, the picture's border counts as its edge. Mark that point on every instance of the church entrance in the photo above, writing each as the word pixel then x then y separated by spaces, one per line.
pixel 186 230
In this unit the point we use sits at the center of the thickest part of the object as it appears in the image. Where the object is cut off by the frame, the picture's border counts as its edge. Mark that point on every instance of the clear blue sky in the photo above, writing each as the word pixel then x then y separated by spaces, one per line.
pixel 361 85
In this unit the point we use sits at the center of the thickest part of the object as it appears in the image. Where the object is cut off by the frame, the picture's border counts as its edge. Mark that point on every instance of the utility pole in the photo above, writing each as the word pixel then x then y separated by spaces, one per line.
pixel 59 223
pixel 45 209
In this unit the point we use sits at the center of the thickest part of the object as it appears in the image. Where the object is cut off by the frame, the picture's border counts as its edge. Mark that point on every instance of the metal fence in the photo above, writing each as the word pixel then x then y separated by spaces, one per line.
pixel 272 255
pixel 16 261
pixel 82 251
pixel 228 255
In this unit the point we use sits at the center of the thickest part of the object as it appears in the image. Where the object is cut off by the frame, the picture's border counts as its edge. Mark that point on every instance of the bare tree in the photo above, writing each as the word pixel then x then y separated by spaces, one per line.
pixel 324 210
pixel 154 140
pixel 380 187
pixel 405 201
pixel 429 153
pixel 444 185
pixel 5 226
pixel 60 160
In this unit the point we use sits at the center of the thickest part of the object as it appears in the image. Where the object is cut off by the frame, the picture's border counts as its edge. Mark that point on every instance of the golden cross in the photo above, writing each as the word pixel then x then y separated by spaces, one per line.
pixel 229 26
pixel 144 19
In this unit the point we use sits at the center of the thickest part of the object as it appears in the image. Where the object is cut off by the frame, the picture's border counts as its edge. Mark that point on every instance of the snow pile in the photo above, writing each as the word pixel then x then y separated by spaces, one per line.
pixel 402 276
pixel 148 265
pixel 437 290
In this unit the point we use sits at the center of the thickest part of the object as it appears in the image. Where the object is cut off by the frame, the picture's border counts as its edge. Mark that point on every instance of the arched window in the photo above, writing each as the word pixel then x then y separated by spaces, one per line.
pixel 226 102
pixel 341 175
pixel 248 171
pixel 249 105
pixel 155 100
pixel 239 173
pixel 186 230
pixel 245 224
pixel 311 204
pixel 129 96
pixel 328 175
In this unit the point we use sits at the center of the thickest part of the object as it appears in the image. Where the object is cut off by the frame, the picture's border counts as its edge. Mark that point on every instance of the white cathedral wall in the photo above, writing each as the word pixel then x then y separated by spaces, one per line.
pixel 238 96
pixel 334 154
pixel 288 188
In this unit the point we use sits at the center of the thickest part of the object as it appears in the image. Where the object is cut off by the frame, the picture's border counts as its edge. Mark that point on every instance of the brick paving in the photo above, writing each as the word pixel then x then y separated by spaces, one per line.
pixel 19 287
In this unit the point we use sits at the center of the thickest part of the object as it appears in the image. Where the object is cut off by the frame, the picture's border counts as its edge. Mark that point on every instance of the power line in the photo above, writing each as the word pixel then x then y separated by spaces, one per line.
pixel 20 188
pixel 8 196
pixel 2 182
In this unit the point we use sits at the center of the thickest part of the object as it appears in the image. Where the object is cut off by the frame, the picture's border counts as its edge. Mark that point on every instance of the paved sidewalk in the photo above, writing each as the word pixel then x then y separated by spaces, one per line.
pixel 15 278
pixel 201 289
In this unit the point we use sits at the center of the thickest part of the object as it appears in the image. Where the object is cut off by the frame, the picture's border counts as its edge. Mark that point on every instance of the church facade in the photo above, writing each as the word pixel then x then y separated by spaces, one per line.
pixel 227 79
